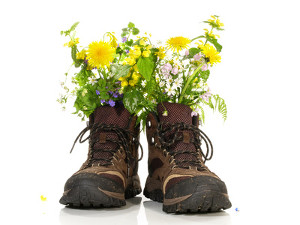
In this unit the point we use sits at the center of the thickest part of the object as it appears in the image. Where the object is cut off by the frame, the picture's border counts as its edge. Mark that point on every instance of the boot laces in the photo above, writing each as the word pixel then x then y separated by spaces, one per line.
pixel 171 133
pixel 122 141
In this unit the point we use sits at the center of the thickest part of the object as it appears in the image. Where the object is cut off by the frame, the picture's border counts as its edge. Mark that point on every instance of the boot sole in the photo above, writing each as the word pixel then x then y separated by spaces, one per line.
pixel 91 196
pixel 202 199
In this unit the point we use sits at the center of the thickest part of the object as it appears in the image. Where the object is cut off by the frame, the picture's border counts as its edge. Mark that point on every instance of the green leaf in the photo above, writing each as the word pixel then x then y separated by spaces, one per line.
pixel 124 34
pixel 118 70
pixel 193 52
pixel 135 31
pixel 221 106
pixel 214 42
pixel 67 32
pixel 131 100
pixel 204 75
pixel 129 43
pixel 146 67
pixel 73 27
pixel 131 25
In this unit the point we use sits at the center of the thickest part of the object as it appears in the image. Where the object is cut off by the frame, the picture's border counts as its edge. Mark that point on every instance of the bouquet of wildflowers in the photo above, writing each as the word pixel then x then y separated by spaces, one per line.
pixel 139 74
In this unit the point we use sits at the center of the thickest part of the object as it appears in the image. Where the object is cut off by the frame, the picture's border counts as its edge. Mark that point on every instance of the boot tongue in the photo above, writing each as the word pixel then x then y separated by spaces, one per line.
pixel 117 115
pixel 177 113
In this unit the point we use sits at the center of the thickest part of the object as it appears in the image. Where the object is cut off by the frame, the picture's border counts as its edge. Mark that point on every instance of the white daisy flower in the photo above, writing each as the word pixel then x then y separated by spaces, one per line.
pixel 92 80
pixel 170 91
pixel 161 84
pixel 177 82
pixel 144 83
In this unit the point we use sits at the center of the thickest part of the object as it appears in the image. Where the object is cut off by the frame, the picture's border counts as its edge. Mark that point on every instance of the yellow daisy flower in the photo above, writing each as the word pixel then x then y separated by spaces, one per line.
pixel 178 43
pixel 100 54
pixel 211 53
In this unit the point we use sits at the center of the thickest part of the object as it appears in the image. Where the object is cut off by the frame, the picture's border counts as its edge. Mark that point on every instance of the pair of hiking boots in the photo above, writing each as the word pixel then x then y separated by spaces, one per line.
pixel 177 176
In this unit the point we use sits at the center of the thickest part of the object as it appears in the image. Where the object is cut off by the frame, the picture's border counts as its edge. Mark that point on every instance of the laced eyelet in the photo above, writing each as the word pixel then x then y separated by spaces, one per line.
pixel 152 140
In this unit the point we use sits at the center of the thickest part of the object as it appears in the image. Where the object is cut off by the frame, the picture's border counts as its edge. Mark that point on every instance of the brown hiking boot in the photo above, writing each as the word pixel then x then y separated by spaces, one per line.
pixel 178 176
pixel 109 175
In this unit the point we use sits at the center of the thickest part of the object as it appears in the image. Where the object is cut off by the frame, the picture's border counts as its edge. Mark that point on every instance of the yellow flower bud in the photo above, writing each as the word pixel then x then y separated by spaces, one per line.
pixel 124 83
pixel 132 82
pixel 136 76
pixel 142 42
pixel 146 53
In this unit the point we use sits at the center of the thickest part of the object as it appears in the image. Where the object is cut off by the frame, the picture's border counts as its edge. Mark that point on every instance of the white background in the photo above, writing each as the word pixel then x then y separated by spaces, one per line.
pixel 256 149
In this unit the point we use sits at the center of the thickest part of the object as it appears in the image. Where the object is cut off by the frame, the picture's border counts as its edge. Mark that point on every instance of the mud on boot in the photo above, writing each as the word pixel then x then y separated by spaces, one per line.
pixel 109 175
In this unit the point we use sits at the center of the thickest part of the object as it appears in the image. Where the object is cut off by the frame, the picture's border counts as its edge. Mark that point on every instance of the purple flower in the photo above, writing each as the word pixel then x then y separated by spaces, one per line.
pixel 197 57
pixel 187 52
pixel 127 51
pixel 106 87
pixel 116 94
pixel 111 103
pixel 206 95
pixel 175 70
pixel 102 101
pixel 110 92
pixel 97 92
pixel 204 67
pixel 124 39
pixel 166 69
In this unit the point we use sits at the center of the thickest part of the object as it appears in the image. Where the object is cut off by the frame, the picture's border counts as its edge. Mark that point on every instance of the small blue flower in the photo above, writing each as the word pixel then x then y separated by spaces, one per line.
pixel 124 39
pixel 102 101
pixel 116 94
pixel 127 51
pixel 97 92
pixel 111 103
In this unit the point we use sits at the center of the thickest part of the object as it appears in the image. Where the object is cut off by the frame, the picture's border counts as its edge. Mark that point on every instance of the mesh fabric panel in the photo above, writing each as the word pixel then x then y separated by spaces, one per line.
pixel 178 113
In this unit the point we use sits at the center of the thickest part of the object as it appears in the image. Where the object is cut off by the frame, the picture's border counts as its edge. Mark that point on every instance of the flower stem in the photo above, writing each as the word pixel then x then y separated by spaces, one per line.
pixel 188 83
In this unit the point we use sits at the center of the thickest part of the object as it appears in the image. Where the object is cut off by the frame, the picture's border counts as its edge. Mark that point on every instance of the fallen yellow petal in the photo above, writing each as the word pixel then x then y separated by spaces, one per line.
pixel 43 198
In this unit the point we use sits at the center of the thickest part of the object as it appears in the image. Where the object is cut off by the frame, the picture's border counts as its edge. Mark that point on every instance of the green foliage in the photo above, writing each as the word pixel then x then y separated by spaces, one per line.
pixel 86 100
pixel 74 51
pixel 214 41
pixel 118 70
pixel 83 76
pixel 131 100
pixel 218 104
pixel 204 75
pixel 67 32
pixel 193 52
pixel 146 67
pixel 131 25
pixel 135 31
